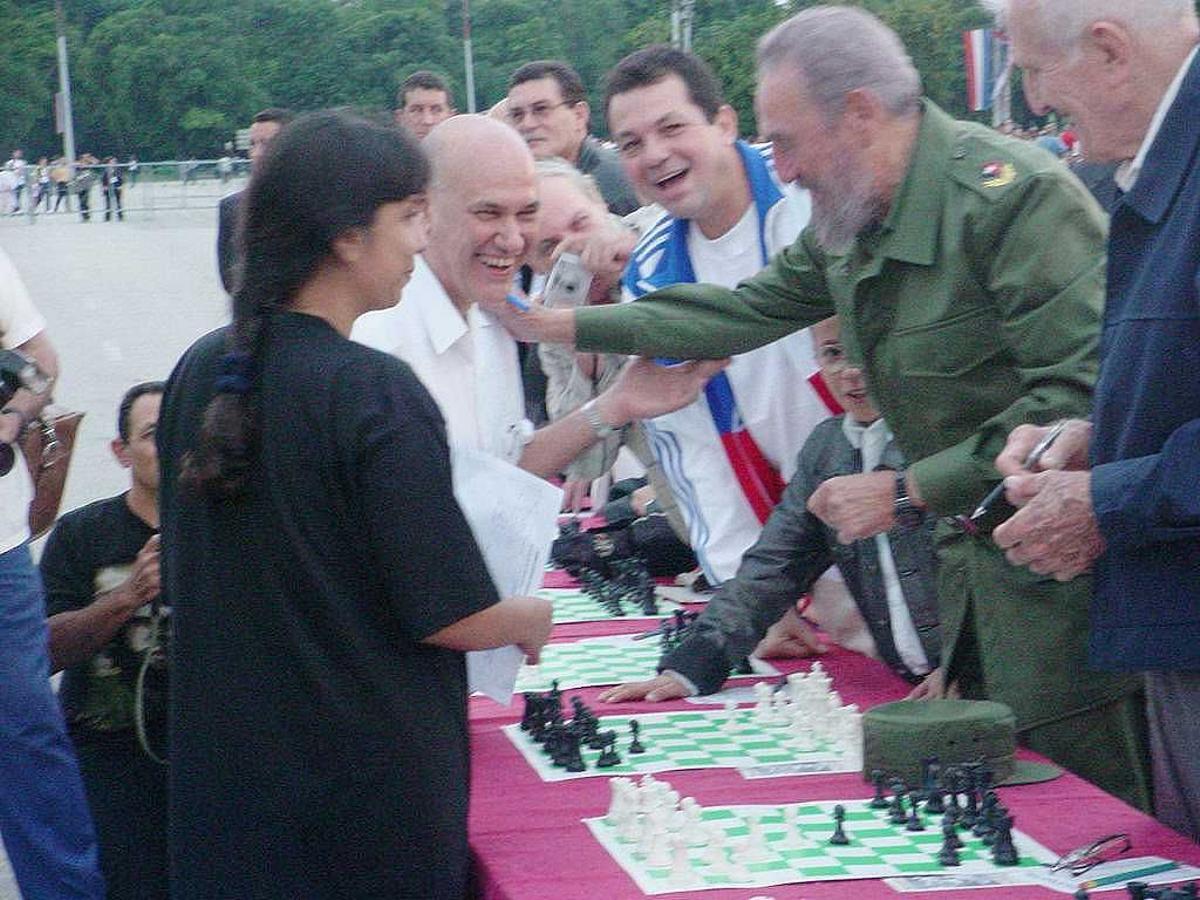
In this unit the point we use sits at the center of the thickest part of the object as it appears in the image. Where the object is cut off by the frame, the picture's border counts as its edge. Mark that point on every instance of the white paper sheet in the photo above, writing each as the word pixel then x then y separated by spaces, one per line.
pixel 513 516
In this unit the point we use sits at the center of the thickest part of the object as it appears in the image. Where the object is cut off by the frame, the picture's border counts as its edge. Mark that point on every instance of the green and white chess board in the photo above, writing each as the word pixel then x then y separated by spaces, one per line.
pixel 601 661
pixel 573 605
pixel 802 853
pixel 696 740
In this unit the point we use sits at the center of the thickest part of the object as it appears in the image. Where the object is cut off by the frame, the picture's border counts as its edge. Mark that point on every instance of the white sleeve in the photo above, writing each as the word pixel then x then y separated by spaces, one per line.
pixel 19 318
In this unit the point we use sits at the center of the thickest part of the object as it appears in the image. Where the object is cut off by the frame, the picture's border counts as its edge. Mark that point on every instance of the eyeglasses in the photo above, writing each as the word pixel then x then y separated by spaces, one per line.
pixel 537 113
pixel 832 358
pixel 1082 859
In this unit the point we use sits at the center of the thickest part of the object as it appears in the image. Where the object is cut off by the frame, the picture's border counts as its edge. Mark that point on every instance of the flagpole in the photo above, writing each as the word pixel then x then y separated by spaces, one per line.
pixel 468 58
pixel 64 86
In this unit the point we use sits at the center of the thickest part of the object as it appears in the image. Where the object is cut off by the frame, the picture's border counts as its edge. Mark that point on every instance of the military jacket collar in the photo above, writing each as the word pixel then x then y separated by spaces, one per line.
pixel 910 231
pixel 1172 153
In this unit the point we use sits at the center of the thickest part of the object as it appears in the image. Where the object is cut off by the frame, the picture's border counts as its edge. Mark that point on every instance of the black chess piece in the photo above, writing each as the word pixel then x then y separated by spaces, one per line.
pixel 1081 894
pixel 879 801
pixel 609 757
pixel 970 813
pixel 573 759
pixel 1137 889
pixel 914 822
pixel 985 824
pixel 896 812
pixel 744 667
pixel 927 763
pixel 1004 851
pixel 635 744
pixel 952 837
pixel 838 838
pixel 948 855
pixel 935 804
pixel 952 782
pixel 1190 890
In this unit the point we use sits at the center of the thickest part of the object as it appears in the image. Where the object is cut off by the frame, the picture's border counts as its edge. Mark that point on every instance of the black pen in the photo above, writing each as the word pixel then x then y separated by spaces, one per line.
pixel 1029 462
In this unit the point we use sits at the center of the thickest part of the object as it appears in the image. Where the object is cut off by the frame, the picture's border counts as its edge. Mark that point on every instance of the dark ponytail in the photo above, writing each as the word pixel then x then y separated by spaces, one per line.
pixel 323 174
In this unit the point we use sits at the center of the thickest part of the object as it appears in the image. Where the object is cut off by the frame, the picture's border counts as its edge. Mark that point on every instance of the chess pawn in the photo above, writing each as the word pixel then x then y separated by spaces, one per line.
pixel 714 853
pixel 951 835
pixel 838 838
pixel 730 725
pixel 681 866
pixel 948 855
pixel 659 855
pixel 879 801
pixel 914 822
pixel 635 745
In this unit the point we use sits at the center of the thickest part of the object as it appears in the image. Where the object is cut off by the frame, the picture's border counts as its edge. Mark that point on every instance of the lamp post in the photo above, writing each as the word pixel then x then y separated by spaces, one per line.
pixel 468 59
pixel 66 123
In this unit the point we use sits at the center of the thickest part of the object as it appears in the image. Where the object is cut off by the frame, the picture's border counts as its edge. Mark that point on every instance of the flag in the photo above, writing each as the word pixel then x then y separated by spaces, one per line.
pixel 977 57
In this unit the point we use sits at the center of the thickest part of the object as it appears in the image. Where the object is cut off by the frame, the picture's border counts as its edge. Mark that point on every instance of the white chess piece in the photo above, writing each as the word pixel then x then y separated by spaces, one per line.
pixel 730 725
pixel 681 866
pixel 714 852
pixel 660 852
pixel 754 848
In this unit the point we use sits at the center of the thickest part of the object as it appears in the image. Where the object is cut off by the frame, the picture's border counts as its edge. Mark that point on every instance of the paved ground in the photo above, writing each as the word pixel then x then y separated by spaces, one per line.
pixel 122 300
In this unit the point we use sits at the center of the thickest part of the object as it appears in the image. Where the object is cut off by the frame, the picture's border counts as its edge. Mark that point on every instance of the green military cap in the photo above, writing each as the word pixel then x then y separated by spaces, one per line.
pixel 897 736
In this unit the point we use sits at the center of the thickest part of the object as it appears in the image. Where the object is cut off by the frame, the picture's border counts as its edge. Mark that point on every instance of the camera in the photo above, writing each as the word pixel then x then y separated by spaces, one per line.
pixel 568 282
pixel 17 371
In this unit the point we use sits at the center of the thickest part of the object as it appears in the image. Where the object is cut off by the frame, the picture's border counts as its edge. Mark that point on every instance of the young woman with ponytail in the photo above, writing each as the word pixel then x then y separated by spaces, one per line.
pixel 323 581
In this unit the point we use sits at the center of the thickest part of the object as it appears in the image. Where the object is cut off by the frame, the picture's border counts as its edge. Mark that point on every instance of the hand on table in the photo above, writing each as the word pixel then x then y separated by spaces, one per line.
pixel 934 687
pixel 856 506
pixel 1054 531
pixel 574 493
pixel 539 619
pixel 792 637
pixel 664 687
pixel 1069 450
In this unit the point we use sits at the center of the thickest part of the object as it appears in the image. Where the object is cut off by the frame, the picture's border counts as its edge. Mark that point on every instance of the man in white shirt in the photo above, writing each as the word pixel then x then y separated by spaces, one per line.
pixel 483 208
pixel 728 454
pixel 44 817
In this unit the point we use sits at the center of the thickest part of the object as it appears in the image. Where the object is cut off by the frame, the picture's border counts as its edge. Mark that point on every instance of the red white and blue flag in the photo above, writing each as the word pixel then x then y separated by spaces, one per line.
pixel 981 75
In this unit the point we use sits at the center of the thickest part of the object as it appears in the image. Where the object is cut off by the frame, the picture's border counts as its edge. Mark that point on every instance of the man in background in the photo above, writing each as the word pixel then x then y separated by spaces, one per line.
pixel 422 102
pixel 263 128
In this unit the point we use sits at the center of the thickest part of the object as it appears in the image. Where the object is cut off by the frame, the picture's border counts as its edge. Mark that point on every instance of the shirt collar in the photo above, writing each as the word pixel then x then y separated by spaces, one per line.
pixel 443 323
pixel 1127 173
pixel 856 431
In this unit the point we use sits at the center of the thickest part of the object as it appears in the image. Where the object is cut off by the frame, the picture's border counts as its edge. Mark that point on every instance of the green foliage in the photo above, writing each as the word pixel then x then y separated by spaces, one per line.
pixel 175 78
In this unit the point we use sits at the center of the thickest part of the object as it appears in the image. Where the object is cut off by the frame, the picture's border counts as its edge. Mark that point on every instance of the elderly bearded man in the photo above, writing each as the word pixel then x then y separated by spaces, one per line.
pixel 1128 501
pixel 968 273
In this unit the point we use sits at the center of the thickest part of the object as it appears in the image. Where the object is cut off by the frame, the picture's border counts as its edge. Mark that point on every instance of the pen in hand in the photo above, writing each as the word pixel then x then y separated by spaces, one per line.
pixel 1029 462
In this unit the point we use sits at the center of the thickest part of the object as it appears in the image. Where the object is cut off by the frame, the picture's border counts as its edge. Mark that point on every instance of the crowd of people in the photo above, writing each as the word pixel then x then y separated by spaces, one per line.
pixel 48 185
pixel 842 339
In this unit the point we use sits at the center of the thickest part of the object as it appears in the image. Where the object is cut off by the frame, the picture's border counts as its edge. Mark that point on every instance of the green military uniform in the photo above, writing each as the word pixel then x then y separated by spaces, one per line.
pixel 974 307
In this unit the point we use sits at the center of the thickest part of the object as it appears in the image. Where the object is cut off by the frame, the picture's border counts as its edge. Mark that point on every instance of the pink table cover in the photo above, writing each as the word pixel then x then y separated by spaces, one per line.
pixel 528 842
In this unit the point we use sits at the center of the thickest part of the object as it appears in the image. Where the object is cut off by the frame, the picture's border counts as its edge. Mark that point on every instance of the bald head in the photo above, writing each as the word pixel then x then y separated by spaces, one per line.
pixel 482 207
pixel 463 144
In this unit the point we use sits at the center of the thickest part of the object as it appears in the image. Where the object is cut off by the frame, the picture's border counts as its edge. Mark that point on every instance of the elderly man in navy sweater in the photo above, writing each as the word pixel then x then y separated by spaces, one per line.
pixel 1122 492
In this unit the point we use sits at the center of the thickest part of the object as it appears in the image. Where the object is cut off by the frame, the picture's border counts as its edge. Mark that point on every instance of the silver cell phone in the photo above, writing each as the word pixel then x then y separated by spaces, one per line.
pixel 568 282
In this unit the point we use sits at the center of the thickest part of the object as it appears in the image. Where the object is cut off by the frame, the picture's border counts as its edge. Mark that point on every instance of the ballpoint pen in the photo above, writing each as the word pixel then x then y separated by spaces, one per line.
pixel 1028 463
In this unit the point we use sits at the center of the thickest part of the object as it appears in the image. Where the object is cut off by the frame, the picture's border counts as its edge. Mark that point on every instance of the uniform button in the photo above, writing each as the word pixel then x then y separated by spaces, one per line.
pixel 907 573
pixel 960 153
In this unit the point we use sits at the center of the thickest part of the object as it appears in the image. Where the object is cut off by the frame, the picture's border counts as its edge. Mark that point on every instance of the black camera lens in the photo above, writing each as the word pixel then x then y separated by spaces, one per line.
pixel 7 457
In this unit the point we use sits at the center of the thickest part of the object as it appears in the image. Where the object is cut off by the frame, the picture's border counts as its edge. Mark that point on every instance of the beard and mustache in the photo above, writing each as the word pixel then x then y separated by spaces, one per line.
pixel 844 206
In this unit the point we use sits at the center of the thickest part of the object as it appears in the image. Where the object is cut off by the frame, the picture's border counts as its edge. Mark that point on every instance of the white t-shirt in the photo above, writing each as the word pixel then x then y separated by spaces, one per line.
pixel 19 321
pixel 469 365
pixel 777 404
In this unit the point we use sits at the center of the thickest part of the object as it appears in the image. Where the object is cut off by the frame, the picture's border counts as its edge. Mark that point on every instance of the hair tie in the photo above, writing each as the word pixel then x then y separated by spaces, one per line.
pixel 237 370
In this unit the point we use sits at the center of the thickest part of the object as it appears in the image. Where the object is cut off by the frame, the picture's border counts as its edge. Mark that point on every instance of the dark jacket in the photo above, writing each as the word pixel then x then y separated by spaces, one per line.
pixel 605 168
pixel 1146 439
pixel 795 547
pixel 227 223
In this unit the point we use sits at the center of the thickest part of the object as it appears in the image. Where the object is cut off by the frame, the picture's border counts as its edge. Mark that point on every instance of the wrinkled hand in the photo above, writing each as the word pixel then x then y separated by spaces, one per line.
pixel 856 506
pixel 534 325
pixel 792 637
pixel 539 621
pixel 604 251
pixel 1069 450
pixel 145 577
pixel 10 429
pixel 1055 531
pixel 641 499
pixel 934 687
pixel 646 389
pixel 574 493
pixel 664 687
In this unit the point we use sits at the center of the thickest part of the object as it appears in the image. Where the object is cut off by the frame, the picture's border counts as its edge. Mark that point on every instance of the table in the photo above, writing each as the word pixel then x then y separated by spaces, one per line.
pixel 528 842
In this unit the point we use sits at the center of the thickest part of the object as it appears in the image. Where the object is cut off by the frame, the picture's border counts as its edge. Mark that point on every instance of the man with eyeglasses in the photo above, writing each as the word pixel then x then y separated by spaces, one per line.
pixel 891 575
pixel 548 106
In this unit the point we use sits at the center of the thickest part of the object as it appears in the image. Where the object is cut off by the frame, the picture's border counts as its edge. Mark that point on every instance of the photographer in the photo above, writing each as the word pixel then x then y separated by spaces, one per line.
pixel 101 569
pixel 43 812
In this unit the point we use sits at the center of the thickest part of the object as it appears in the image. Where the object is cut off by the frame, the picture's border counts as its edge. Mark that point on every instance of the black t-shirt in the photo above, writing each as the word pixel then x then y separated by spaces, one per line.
pixel 319 749
pixel 91 551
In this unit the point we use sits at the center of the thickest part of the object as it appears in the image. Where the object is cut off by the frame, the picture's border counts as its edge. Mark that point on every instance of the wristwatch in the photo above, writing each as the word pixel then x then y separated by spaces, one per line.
pixel 908 514
pixel 591 412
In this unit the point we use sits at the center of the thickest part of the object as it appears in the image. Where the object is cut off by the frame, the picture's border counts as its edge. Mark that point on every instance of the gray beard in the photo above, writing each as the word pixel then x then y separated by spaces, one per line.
pixel 855 208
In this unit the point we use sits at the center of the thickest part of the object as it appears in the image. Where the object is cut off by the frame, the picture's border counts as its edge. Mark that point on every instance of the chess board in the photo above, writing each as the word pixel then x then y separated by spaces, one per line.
pixel 600 661
pixel 877 849
pixel 695 740
pixel 573 605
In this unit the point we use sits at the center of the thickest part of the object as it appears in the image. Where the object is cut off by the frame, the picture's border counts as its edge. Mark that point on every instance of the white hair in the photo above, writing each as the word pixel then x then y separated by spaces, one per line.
pixel 1064 21
pixel 557 167
pixel 839 49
